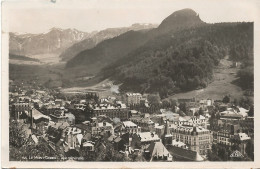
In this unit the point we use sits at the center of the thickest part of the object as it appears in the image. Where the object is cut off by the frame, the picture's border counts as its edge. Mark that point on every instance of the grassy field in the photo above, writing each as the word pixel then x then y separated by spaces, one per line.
pixel 222 84
pixel 104 88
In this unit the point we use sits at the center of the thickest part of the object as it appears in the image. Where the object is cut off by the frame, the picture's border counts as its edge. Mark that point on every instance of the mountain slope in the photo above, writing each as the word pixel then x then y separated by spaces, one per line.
pixel 182 60
pixel 108 51
pixel 92 41
pixel 111 50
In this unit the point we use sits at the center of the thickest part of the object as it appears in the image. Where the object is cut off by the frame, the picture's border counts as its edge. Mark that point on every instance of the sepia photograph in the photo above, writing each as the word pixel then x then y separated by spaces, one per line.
pixel 129 81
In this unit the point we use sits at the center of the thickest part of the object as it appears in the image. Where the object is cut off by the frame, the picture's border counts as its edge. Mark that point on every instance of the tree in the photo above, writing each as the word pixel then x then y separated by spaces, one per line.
pixel 245 102
pixel 201 111
pixel 165 103
pixel 212 156
pixel 17 136
pixel 35 152
pixel 153 99
pixel 116 120
pixel 250 149
pixel 173 102
pixel 183 107
pixel 109 154
pixel 235 102
pixel 251 111
pixel 196 114
pixel 226 99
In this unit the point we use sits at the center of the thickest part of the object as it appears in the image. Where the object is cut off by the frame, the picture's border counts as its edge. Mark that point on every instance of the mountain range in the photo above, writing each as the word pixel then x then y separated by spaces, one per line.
pixel 54 41
pixel 100 36
pixel 63 43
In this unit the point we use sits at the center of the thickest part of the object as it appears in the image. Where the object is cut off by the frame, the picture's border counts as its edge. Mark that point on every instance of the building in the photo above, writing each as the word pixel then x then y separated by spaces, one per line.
pixel 247 126
pixel 121 111
pixel 103 127
pixel 19 109
pixel 182 154
pixel 225 134
pixel 85 127
pixel 130 127
pixel 157 152
pixel 243 139
pixel 234 113
pixel 196 138
pixel 133 98
pixel 185 100
pixel 73 137
pixel 145 123
pixel 143 139
pixel 59 116
pixel 206 102
pixel 159 130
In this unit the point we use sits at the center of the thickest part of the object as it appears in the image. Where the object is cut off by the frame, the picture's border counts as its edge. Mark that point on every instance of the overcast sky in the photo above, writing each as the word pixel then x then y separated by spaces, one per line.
pixel 39 16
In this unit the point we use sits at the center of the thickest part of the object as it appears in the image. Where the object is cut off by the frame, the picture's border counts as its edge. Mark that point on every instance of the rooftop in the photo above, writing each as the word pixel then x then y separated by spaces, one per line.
pixel 37 115
pixel 129 124
pixel 184 153
pixel 148 136
pixel 158 149
pixel 133 94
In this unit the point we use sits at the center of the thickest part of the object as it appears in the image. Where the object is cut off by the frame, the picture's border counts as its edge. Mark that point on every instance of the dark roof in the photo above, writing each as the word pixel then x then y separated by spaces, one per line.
pixel 82 126
pixel 72 153
pixel 185 154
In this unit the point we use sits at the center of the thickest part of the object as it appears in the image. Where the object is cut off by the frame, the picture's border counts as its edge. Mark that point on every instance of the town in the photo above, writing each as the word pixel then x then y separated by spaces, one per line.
pixel 48 125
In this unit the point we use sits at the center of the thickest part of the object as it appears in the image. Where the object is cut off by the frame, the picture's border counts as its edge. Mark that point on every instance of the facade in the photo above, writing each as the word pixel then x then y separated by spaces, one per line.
pixel 130 127
pixel 19 109
pixel 73 137
pixel 145 123
pixel 104 127
pixel 196 138
pixel 226 133
pixel 133 98
pixel 121 112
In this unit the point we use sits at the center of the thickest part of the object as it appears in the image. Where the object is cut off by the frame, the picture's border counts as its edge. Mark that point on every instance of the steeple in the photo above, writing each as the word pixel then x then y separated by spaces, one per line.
pixel 167 137
pixel 166 128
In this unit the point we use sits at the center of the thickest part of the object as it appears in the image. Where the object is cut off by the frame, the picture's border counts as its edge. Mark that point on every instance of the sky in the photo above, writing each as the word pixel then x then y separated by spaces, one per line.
pixel 38 16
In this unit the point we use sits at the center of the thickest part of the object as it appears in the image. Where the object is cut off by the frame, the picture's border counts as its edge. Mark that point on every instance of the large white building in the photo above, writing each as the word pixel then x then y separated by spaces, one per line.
pixel 197 139
pixel 130 127
pixel 133 98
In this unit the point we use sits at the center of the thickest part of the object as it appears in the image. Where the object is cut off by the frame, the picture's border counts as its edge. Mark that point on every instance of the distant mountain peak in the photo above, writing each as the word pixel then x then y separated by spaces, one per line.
pixel 186 11
pixel 180 19
pixel 56 29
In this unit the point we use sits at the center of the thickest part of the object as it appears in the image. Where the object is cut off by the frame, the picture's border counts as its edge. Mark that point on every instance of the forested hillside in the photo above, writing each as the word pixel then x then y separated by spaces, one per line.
pixel 109 51
pixel 183 60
